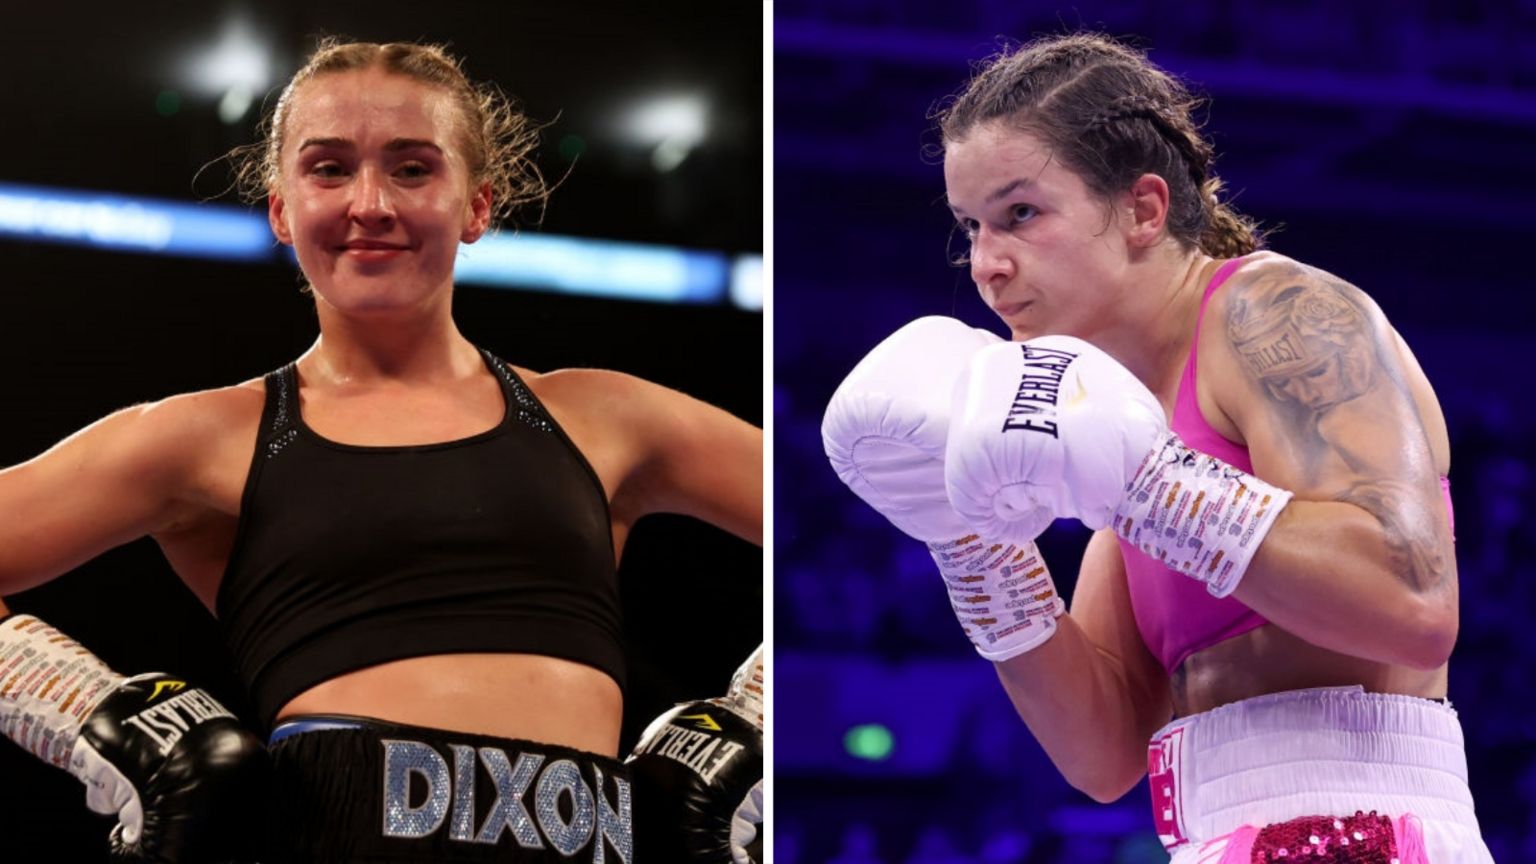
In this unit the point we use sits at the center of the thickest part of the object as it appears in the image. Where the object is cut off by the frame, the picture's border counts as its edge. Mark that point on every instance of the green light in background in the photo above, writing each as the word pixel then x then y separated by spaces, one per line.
pixel 168 102
pixel 572 146
pixel 870 741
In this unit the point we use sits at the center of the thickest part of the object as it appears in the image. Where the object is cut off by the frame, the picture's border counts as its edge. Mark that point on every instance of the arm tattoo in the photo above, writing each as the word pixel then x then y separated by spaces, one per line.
pixel 1305 342
pixel 1415 536
pixel 1311 344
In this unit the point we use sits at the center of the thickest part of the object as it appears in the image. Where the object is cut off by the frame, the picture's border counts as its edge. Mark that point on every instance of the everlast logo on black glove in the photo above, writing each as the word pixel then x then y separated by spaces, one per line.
pixel 167 721
pixel 697 772
pixel 691 740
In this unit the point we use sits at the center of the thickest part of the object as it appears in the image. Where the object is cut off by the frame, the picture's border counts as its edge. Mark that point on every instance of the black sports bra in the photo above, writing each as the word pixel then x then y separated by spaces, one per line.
pixel 350 556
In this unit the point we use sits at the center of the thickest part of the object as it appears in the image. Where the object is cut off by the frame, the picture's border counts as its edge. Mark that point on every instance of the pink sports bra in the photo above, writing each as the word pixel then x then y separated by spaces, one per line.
pixel 1175 614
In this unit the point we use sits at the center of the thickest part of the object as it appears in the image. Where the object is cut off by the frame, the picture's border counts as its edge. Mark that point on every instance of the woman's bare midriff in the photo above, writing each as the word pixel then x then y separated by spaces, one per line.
pixel 526 696
pixel 1270 660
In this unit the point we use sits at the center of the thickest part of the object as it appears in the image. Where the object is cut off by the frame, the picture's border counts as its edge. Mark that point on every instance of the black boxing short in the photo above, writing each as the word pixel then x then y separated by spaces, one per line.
pixel 352 789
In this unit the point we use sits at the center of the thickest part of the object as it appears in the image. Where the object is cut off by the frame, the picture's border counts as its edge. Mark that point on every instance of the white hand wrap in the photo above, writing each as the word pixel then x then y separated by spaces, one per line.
pixel 1001 592
pixel 48 686
pixel 744 697
pixel 1197 514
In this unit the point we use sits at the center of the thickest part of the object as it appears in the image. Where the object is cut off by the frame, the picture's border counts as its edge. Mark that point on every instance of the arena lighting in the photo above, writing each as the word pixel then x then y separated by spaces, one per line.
pixel 236 69
pixel 631 271
pixel 128 224
pixel 870 741
pixel 747 282
pixel 579 266
pixel 670 125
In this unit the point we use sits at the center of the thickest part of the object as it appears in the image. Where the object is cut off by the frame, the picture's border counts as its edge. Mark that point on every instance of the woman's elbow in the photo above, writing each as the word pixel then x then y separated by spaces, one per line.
pixel 1106 796
pixel 1432 633
pixel 1106 787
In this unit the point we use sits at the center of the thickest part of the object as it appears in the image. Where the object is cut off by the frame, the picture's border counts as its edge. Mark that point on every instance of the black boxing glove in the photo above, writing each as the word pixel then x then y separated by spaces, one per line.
pixel 698 778
pixel 199 777
pixel 184 777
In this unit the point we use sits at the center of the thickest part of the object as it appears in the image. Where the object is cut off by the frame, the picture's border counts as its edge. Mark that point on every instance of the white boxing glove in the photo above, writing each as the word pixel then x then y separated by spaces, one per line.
pixel 1045 429
pixel 885 433
pixel 1054 427
pixel 886 426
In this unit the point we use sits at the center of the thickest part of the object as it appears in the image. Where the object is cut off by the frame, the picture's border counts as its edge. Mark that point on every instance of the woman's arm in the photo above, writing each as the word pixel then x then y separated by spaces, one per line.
pixel 1093 694
pixel 121 478
pixel 681 455
pixel 701 462
pixel 1361 561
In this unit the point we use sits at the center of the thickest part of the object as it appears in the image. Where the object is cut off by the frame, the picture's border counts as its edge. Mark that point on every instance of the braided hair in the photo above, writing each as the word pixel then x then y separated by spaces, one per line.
pixel 1110 116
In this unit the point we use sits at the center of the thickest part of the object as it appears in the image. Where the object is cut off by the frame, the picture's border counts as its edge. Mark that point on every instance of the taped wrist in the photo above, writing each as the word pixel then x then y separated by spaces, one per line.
pixel 1197 514
pixel 1001 592
pixel 744 696
pixel 49 684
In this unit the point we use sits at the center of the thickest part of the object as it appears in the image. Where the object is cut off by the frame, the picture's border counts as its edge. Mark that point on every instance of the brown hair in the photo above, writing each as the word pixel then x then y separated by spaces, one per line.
pixel 1110 116
pixel 496 138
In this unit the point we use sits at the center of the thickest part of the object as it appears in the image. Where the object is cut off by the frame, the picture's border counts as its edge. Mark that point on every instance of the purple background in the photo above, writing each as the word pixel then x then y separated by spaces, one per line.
pixel 1391 143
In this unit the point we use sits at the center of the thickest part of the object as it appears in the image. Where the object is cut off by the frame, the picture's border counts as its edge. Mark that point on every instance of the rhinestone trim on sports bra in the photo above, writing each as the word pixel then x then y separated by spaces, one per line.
pixel 283 429
pixel 527 408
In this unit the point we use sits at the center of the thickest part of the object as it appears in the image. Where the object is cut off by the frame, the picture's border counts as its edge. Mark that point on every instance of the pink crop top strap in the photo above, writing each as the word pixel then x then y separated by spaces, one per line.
pixel 1175 614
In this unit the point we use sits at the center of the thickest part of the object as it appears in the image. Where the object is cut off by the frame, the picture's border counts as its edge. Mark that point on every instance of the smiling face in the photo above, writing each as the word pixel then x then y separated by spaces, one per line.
pixel 1045 253
pixel 373 192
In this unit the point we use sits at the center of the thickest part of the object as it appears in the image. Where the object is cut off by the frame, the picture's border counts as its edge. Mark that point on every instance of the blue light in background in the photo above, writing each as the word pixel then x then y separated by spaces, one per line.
pixel 123 223
pixel 747 282
pixel 606 268
pixel 601 267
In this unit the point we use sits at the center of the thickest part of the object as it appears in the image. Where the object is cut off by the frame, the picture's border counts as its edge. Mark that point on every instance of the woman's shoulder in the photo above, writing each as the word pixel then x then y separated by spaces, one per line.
pixel 1264 268
pixel 595 388
pixel 171 444
pixel 230 399
pixel 618 402
pixel 1267 284
pixel 236 407
pixel 1271 270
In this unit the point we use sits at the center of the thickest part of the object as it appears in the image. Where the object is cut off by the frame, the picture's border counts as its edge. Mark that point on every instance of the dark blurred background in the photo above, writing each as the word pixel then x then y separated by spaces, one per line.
pixel 122 98
pixel 1391 143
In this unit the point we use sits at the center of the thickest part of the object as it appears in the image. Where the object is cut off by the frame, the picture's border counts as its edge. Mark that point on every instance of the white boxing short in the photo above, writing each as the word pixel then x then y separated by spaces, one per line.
pixel 1359 776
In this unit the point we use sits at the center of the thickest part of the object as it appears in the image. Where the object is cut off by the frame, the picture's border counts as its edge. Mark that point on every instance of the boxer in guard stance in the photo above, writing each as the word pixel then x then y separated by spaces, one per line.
pixel 1266 609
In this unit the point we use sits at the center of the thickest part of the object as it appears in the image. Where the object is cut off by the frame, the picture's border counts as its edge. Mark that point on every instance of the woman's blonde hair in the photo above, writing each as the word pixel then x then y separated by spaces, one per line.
pixel 496 138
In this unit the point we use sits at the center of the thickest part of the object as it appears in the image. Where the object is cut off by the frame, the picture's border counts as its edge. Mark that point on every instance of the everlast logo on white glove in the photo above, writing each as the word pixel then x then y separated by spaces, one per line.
pixel 1039 387
pixel 451 797
pixel 1096 423
pixel 695 745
